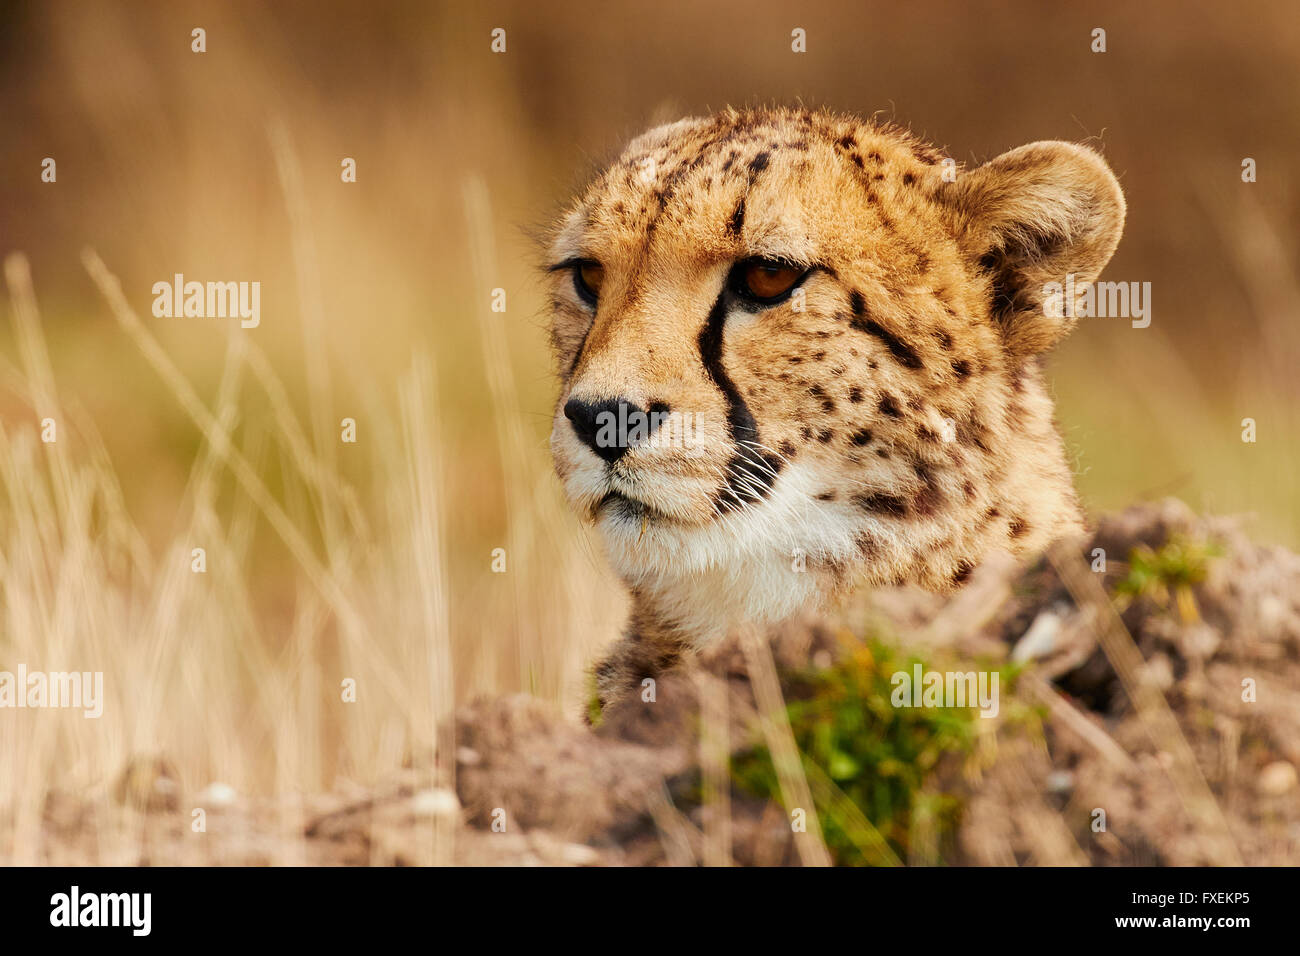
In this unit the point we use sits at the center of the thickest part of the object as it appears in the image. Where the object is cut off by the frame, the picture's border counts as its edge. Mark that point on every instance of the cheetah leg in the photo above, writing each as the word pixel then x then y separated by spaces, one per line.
pixel 646 650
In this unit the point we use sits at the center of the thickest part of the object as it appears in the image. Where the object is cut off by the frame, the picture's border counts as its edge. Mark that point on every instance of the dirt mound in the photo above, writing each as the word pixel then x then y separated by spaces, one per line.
pixel 1201 770
pixel 1150 715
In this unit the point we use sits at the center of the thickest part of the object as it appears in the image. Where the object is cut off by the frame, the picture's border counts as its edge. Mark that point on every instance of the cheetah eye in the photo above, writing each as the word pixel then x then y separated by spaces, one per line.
pixel 587 279
pixel 765 281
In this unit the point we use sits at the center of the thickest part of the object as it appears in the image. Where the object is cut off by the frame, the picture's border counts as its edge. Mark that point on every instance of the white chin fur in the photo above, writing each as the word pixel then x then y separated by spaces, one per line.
pixel 757 565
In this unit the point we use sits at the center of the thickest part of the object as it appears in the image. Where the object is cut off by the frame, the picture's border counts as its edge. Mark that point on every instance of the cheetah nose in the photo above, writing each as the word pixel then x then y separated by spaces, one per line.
pixel 611 427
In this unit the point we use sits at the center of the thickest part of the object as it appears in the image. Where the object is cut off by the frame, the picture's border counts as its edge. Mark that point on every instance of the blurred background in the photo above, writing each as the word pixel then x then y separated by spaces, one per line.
pixel 225 165
pixel 165 165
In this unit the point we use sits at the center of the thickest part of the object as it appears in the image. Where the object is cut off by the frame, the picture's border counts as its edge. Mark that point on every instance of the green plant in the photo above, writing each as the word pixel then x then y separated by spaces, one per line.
pixel 871 765
pixel 595 714
pixel 1177 567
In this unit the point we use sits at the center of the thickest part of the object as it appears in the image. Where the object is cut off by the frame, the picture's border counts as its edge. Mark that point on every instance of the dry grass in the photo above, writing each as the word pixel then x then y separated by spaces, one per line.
pixel 194 671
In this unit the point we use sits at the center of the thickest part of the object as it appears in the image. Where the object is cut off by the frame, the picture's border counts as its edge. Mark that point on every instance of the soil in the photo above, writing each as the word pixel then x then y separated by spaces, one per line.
pixel 1216 783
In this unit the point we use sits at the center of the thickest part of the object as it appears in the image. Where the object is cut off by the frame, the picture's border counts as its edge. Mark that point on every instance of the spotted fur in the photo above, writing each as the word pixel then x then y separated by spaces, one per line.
pixel 892 425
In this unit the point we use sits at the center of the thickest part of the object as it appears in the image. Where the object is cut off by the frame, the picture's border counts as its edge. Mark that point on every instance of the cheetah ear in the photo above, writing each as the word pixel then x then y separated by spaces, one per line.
pixel 1031 217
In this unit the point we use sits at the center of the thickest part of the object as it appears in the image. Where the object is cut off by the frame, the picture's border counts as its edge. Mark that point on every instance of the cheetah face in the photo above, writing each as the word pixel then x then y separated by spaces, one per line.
pixel 790 343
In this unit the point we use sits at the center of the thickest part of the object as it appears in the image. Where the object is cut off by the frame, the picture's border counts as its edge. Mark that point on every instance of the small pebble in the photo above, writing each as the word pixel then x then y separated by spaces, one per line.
pixel 217 795
pixel 1060 781
pixel 438 802
pixel 1276 778
pixel 579 854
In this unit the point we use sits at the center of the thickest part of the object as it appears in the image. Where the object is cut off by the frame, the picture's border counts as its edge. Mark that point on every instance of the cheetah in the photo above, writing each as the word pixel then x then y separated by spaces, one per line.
pixel 801 351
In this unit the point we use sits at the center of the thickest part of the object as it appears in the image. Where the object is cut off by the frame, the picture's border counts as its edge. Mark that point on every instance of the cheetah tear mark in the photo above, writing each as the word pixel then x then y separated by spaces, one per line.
pixel 750 473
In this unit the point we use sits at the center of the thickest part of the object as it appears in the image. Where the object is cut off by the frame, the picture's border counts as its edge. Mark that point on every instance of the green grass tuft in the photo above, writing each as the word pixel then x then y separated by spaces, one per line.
pixel 882 758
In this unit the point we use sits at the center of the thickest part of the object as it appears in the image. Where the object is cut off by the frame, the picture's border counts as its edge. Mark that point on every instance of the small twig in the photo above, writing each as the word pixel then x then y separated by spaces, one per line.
pixel 715 763
pixel 780 742
pixel 864 835
pixel 675 832
pixel 1069 715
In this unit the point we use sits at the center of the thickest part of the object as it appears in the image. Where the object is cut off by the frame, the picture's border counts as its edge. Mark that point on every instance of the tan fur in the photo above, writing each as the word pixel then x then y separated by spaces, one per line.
pixel 903 427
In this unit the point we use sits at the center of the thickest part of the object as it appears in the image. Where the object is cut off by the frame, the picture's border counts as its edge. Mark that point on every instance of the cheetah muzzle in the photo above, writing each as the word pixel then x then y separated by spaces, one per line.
pixel 800 351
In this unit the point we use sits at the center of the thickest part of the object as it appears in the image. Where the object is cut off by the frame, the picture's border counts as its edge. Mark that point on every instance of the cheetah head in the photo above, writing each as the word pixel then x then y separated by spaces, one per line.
pixel 799 350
